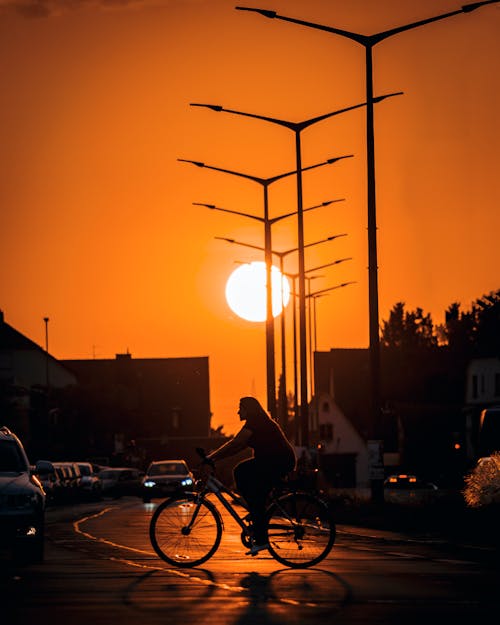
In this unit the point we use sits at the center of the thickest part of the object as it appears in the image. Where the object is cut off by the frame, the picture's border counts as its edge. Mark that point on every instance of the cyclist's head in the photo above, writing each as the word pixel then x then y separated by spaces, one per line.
pixel 250 408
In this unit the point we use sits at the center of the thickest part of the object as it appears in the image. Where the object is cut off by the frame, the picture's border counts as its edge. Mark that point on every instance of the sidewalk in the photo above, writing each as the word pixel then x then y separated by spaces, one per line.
pixel 446 518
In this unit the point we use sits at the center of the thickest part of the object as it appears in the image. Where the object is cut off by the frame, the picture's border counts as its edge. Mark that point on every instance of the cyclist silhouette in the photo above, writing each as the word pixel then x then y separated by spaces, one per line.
pixel 273 458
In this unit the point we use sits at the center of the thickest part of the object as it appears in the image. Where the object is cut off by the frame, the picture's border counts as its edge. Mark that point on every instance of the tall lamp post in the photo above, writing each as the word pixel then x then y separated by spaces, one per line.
pixel 281 256
pixel 47 378
pixel 265 184
pixel 297 128
pixel 368 42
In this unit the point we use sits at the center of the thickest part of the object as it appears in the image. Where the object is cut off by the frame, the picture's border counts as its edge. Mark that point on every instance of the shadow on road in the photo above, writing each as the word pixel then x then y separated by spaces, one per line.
pixel 252 599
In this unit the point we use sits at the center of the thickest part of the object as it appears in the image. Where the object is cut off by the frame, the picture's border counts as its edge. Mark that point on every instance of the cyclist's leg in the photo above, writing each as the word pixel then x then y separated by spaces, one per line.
pixel 255 480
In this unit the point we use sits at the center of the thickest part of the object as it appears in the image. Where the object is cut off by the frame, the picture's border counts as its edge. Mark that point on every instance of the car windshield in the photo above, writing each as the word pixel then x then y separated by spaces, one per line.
pixel 168 468
pixel 11 459
pixel 106 475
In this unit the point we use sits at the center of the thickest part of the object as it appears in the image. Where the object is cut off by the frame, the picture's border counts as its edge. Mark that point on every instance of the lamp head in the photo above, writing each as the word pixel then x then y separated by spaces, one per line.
pixel 264 12
pixel 379 98
pixel 468 8
pixel 225 239
pixel 211 206
pixel 212 107
pixel 197 163
pixel 338 158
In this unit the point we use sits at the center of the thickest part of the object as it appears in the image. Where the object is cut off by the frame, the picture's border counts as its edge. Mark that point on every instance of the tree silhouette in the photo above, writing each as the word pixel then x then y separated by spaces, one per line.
pixel 470 333
pixel 408 329
pixel 473 333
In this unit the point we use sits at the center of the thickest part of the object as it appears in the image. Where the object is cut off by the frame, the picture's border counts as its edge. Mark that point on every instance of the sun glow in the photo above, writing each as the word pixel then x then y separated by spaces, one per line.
pixel 246 291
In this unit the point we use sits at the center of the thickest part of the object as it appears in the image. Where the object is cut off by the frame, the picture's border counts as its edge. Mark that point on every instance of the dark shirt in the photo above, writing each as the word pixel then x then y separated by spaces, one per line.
pixel 270 444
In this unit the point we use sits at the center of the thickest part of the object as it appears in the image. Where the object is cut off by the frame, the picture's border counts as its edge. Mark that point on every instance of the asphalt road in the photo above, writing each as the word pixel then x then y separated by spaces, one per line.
pixel 100 569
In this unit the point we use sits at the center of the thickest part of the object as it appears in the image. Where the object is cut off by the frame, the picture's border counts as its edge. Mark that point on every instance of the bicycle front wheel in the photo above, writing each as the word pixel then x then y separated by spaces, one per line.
pixel 301 530
pixel 185 532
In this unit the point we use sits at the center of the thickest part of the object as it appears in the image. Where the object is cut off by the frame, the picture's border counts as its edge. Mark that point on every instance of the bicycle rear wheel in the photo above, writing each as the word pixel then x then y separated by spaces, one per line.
pixel 301 530
pixel 185 532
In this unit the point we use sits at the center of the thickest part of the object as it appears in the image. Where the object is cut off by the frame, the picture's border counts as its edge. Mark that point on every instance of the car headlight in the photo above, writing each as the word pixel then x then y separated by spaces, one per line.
pixel 187 482
pixel 149 483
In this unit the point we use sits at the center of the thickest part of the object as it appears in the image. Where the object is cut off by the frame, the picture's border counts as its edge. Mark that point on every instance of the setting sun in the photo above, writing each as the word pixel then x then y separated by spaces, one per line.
pixel 246 291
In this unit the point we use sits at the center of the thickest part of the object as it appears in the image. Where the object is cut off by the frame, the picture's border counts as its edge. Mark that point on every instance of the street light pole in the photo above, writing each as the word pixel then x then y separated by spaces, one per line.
pixel 265 183
pixel 47 378
pixel 297 128
pixel 369 41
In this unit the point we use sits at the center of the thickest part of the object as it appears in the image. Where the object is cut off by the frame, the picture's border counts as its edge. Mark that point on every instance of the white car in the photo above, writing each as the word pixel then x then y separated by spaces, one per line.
pixel 90 485
pixel 22 502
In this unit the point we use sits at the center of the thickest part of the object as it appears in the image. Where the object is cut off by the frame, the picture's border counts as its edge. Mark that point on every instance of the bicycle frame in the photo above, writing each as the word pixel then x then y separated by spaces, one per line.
pixel 215 486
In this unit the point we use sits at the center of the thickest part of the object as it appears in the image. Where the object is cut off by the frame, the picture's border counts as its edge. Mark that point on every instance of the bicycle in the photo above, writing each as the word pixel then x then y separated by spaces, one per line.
pixel 186 529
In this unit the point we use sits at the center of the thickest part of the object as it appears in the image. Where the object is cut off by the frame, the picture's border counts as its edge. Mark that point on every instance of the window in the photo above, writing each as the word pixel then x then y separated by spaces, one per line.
pixel 497 384
pixel 326 431
pixel 474 387
pixel 326 407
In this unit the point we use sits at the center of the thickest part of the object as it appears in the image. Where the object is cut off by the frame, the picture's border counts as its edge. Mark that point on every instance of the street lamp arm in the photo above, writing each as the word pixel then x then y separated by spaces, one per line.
pixel 230 171
pixel 336 236
pixel 295 126
pixel 217 108
pixel 329 161
pixel 310 208
pixel 264 181
pixel 362 39
pixel 332 288
pixel 325 240
pixel 255 247
pixel 314 120
pixel 394 31
pixel 227 210
pixel 466 8
pixel 335 262
pixel 369 40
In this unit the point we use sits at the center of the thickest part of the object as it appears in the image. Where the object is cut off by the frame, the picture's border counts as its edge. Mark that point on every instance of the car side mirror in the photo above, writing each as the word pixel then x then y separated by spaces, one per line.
pixel 43 467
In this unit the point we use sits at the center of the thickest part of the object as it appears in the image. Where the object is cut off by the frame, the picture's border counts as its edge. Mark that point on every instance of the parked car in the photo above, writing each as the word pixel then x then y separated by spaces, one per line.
pixel 164 477
pixel 91 485
pixel 22 502
pixel 70 476
pixel 50 479
pixel 119 481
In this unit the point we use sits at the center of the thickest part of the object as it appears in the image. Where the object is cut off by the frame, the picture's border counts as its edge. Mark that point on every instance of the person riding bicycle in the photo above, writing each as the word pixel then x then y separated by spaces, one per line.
pixel 273 458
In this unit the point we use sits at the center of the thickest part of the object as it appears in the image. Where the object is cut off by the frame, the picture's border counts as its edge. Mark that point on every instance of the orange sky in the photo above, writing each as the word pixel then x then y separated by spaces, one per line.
pixel 97 226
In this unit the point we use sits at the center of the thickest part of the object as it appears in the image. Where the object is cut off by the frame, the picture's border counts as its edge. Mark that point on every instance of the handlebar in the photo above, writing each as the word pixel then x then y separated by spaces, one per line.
pixel 203 455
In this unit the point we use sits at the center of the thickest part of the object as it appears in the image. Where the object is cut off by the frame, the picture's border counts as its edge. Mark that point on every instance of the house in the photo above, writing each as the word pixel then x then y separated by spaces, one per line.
pixel 28 376
pixel 482 394
pixel 342 451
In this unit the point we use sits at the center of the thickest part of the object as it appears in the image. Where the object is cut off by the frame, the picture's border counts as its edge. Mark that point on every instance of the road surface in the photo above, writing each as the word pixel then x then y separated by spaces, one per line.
pixel 100 569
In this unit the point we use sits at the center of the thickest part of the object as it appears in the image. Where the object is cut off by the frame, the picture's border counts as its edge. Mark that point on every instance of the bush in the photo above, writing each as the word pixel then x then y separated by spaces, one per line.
pixel 482 485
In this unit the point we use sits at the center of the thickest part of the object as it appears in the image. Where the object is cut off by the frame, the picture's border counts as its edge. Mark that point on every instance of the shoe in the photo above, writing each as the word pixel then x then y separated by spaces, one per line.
pixel 255 549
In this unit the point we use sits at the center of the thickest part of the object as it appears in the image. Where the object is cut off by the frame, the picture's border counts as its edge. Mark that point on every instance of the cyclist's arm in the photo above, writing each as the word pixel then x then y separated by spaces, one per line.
pixel 232 447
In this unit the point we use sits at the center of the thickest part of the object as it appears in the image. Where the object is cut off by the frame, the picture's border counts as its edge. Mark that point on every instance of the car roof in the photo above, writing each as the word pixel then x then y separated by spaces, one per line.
pixel 168 461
